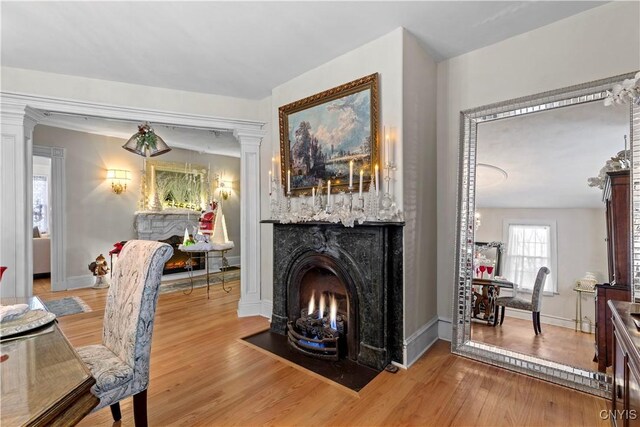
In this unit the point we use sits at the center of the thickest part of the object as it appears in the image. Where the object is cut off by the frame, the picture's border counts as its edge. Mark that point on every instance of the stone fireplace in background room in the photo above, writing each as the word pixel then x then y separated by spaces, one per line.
pixel 359 269
pixel 168 227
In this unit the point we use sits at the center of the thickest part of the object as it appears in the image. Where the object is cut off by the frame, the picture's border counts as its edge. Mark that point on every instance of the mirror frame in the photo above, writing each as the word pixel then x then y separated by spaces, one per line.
pixel 589 381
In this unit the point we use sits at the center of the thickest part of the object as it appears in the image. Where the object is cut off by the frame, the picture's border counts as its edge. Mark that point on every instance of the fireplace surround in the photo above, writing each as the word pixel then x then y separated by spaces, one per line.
pixel 361 266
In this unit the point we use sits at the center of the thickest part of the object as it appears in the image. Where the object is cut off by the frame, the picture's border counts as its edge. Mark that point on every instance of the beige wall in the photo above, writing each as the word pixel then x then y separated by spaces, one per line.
pixel 581 247
pixel 95 216
pixel 419 187
pixel 599 43
pixel 124 94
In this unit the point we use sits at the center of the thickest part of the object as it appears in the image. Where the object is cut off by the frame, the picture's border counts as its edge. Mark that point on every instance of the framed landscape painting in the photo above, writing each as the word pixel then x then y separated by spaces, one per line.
pixel 321 134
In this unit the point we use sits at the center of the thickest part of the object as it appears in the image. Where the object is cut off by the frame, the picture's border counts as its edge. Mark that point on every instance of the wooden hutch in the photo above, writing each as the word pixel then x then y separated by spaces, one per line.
pixel 617 199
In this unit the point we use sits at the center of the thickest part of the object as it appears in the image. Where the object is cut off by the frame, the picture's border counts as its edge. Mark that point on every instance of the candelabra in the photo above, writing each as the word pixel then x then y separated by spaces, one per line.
pixel 389 209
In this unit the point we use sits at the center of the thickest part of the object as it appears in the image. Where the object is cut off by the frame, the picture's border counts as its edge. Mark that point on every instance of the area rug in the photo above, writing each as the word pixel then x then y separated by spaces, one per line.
pixel 346 374
pixel 67 306
pixel 231 274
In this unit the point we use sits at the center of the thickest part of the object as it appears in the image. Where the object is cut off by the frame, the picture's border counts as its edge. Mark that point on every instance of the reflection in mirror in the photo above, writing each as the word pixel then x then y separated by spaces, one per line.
pixel 546 179
pixel 533 197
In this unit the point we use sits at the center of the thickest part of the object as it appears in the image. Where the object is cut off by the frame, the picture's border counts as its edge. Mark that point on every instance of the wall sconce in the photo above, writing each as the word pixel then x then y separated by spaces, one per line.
pixel 225 188
pixel 118 179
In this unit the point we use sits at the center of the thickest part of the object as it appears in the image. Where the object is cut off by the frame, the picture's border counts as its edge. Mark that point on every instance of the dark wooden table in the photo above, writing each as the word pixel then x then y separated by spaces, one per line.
pixel 490 291
pixel 44 381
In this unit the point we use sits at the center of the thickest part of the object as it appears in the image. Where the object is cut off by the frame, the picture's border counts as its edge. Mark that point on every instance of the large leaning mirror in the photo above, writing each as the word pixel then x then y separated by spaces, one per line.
pixel 537 177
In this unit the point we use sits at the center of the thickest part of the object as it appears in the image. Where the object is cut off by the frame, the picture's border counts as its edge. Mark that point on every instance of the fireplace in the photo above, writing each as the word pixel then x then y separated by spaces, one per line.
pixel 181 261
pixel 356 275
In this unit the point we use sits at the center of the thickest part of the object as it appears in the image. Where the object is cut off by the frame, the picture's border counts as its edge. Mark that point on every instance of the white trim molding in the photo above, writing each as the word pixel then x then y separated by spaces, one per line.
pixel 444 328
pixel 21 112
pixel 250 303
pixel 420 341
pixel 58 218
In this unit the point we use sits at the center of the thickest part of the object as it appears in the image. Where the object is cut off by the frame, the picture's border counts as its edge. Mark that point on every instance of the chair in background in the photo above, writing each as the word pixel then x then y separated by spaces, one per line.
pixel 533 306
pixel 120 364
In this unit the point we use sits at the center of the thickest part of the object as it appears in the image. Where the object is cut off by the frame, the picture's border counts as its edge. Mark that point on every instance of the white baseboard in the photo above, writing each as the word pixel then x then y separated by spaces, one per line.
pixel 420 341
pixel 78 282
pixel 545 319
pixel 246 309
pixel 267 309
pixel 445 328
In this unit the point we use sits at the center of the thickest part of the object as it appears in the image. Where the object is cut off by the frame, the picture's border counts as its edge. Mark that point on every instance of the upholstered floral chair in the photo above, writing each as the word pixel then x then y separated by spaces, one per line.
pixel 120 364
pixel 534 306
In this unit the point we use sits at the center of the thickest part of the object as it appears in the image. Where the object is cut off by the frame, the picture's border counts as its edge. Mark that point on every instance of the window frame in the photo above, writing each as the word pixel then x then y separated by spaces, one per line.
pixel 553 250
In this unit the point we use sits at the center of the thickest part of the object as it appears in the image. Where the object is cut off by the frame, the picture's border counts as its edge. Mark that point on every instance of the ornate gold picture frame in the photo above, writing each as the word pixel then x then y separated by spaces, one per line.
pixel 321 134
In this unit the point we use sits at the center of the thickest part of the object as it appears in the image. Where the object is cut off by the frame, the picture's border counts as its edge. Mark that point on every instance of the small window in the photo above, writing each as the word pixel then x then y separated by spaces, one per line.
pixel 529 247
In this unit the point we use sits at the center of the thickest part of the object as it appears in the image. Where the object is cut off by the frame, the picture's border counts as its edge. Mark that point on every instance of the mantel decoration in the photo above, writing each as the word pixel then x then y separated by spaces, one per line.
pixel 328 141
pixel 146 142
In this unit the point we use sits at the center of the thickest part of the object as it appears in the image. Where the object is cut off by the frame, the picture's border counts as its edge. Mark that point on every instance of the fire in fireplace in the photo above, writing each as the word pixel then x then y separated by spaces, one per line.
pixel 181 261
pixel 320 333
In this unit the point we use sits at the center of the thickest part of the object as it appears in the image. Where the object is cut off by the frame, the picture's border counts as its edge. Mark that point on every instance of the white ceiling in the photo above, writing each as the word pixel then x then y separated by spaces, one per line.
pixel 548 156
pixel 200 140
pixel 244 49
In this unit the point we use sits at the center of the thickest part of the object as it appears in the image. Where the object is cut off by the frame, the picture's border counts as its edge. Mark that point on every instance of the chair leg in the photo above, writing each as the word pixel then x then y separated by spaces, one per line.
pixel 495 315
pixel 538 321
pixel 502 314
pixel 140 409
pixel 535 324
pixel 115 411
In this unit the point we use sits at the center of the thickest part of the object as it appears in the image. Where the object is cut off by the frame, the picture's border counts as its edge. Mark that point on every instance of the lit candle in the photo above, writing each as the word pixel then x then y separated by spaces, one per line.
pixel 273 165
pixel 361 175
pixel 376 180
pixel 351 174
pixel 329 193
pixel 313 196
pixel 270 181
pixel 289 181
pixel 387 145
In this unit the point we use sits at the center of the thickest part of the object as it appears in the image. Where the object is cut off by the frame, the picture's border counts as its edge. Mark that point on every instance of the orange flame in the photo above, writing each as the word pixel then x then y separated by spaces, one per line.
pixel 312 304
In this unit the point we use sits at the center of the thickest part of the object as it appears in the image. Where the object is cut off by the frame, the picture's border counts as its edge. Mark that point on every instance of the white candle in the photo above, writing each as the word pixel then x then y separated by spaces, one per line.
pixel 361 175
pixel 376 180
pixel 270 181
pixel 351 174
pixel 329 193
pixel 387 145
pixel 273 165
pixel 289 181
pixel 313 196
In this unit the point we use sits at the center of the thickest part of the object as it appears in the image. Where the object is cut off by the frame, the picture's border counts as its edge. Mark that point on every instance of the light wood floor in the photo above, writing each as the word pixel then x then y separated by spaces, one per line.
pixel 202 375
pixel 555 343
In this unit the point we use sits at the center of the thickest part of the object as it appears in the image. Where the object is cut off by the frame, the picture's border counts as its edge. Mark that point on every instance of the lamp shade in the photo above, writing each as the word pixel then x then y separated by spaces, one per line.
pixel 146 140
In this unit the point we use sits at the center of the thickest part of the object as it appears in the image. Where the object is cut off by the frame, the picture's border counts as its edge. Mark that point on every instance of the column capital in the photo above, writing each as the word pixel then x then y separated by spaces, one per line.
pixel 249 137
pixel 18 113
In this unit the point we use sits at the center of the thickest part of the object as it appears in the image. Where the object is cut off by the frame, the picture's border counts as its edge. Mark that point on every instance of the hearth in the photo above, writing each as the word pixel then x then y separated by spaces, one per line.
pixel 338 291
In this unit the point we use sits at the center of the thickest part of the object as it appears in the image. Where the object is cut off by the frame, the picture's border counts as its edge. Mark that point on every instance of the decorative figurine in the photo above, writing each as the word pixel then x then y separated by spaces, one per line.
pixel 99 268
pixel 207 218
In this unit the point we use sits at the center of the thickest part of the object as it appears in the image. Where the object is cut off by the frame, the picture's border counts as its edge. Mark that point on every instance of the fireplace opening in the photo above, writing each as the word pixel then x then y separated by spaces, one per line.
pixel 181 261
pixel 321 324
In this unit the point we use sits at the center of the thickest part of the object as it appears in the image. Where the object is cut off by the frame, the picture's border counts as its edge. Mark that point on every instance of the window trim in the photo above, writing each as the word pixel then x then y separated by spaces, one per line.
pixel 553 235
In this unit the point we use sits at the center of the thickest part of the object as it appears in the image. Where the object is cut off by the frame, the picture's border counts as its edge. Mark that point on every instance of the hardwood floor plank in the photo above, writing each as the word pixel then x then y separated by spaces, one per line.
pixel 202 376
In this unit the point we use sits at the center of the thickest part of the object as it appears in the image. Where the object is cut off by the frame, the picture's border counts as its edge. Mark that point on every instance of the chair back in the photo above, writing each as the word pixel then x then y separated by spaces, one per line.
pixel 131 304
pixel 536 297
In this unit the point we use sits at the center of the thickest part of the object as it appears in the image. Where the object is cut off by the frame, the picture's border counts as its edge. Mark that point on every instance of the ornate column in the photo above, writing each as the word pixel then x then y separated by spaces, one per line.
pixel 250 298
pixel 16 219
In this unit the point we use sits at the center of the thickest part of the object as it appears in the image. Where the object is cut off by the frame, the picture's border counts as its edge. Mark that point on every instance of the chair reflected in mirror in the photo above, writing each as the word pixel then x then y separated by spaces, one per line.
pixel 534 306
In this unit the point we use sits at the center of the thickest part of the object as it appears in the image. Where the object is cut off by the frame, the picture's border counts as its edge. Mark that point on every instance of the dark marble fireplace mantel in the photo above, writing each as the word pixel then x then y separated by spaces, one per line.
pixel 371 253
